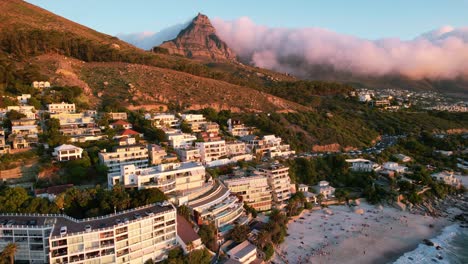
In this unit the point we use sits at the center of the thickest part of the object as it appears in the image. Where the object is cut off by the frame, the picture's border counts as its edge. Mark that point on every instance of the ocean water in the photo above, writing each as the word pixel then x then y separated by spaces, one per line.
pixel 454 243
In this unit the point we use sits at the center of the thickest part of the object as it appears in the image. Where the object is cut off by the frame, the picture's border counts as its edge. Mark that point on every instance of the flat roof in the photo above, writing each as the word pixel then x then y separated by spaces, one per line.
pixel 242 250
pixel 78 225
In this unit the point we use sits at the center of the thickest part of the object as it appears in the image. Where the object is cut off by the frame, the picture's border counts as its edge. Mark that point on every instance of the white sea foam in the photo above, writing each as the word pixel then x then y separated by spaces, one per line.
pixel 429 254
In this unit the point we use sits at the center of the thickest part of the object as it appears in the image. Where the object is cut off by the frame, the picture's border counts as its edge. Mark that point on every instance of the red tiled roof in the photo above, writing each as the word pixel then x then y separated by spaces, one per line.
pixel 185 230
pixel 121 123
pixel 127 132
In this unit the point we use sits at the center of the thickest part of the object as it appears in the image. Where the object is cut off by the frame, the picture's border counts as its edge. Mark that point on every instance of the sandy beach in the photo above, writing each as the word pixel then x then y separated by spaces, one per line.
pixel 377 236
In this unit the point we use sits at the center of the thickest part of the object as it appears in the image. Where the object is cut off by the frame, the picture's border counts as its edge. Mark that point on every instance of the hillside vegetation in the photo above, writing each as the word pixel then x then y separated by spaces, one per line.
pixel 38 45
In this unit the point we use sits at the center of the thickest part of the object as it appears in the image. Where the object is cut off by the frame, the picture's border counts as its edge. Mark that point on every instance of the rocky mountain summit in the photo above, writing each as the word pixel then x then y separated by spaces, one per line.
pixel 199 41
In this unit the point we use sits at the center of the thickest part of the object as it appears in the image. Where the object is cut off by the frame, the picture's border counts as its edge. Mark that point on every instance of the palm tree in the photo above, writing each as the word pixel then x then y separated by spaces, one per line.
pixel 263 237
pixel 190 246
pixel 9 252
pixel 320 197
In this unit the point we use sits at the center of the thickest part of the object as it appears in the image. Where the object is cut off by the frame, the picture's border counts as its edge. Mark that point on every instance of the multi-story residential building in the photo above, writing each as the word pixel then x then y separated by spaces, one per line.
pixel 73 118
pixel 169 177
pixel 118 116
pixel 24 136
pixel 177 139
pixel 156 153
pixel 269 145
pixel 195 121
pixel 253 190
pixel 237 129
pixel 362 165
pixel 124 155
pixel 163 120
pixel 188 154
pixel 67 152
pixel 27 110
pixel 80 127
pixel 210 127
pixel 218 206
pixel 279 181
pixel 210 151
pixel 235 148
pixel 61 108
pixel 133 236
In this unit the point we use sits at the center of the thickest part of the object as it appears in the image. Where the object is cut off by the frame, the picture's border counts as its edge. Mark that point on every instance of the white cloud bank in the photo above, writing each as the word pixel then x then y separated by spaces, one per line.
pixel 439 54
pixel 147 40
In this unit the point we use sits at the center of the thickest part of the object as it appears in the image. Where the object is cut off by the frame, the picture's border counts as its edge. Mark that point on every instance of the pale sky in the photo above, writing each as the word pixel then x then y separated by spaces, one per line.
pixel 371 19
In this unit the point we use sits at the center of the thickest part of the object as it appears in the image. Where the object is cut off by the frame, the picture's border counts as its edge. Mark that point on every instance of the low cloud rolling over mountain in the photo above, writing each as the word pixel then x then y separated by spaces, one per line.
pixel 439 54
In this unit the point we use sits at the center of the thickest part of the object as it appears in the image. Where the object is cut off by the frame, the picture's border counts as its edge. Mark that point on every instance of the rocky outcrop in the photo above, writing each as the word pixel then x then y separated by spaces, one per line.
pixel 199 41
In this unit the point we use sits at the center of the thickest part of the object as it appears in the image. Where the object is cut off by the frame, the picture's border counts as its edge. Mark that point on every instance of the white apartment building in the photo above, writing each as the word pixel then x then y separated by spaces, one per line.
pixel 73 118
pixel 124 155
pixel 269 145
pixel 362 165
pixel 237 129
pixel 210 127
pixel 169 177
pixel 235 148
pixel 188 154
pixel 194 120
pixel 162 120
pixel 279 181
pixel 61 108
pixel 80 127
pixel 133 236
pixel 218 206
pixel 177 139
pixel 254 190
pixel 67 152
pixel 24 136
pixel 210 151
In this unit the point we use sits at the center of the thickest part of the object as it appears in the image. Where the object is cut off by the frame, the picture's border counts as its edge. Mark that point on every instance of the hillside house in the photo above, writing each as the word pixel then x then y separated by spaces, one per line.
pixel 67 152
pixel 118 115
pixel 40 84
pixel 362 165
pixel 121 124
pixel 23 99
pixel 325 189
pixel 61 108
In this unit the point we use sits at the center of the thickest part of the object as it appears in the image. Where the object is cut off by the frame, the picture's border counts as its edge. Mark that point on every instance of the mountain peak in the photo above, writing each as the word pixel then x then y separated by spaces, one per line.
pixel 200 41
